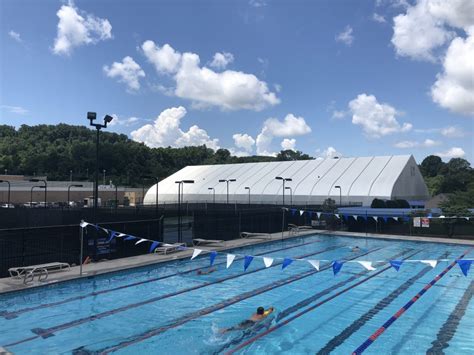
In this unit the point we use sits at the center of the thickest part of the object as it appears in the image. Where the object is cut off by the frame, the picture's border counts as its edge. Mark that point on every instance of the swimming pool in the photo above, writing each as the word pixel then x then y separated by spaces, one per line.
pixel 168 308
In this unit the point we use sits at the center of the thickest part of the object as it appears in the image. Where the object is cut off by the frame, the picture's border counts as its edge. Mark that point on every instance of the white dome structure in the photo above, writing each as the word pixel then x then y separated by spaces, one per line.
pixel 360 180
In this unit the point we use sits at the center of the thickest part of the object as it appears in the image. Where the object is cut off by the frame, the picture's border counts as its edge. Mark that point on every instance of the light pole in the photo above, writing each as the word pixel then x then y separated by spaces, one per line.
pixel 248 188
pixel 91 116
pixel 103 180
pixel 9 188
pixel 340 194
pixel 180 193
pixel 227 181
pixel 31 193
pixel 291 194
pixel 283 180
pixel 45 189
pixel 69 192
pixel 213 194
pixel 87 174
pixel 70 175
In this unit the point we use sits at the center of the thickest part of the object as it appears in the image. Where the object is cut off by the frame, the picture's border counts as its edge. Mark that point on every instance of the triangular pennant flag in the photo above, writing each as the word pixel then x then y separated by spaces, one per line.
pixel 267 261
pixel 355 217
pixel 310 214
pixel 196 252
pixel 212 257
pixel 286 262
pixel 385 218
pixel 130 237
pixel 431 263
pixel 153 246
pixel 465 265
pixel 367 265
pixel 315 263
pixel 337 215
pixel 336 266
pixel 230 259
pixel 247 261
pixel 364 217
pixel 141 241
pixel 395 218
pixel 375 218
pixel 301 212
pixel 467 218
pixel 83 224
pixel 293 211
pixel 318 214
pixel 113 234
pixel 396 264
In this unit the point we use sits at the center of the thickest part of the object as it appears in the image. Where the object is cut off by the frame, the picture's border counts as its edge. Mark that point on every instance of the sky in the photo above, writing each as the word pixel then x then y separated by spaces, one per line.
pixel 329 78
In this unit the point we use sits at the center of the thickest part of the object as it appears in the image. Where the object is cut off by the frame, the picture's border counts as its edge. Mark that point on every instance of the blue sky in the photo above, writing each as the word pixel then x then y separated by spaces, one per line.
pixel 328 78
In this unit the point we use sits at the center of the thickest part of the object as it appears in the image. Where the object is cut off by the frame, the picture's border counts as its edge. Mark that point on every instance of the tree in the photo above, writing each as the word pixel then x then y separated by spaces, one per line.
pixel 431 166
pixel 287 155
pixel 378 203
pixel 329 205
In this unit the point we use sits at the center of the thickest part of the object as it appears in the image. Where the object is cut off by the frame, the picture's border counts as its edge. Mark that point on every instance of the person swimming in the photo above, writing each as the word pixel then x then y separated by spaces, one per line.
pixel 205 272
pixel 255 318
pixel 355 249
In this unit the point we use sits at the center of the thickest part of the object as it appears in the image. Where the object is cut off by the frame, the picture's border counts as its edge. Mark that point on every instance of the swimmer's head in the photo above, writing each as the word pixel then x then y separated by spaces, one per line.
pixel 260 310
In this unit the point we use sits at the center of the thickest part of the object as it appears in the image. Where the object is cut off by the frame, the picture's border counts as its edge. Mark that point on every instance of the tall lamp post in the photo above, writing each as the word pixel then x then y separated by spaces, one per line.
pixel 91 116
pixel 248 188
pixel 69 192
pixel 180 193
pixel 45 189
pixel 103 179
pixel 213 194
pixel 31 193
pixel 283 180
pixel 227 181
pixel 340 200
pixel 291 194
pixel 9 188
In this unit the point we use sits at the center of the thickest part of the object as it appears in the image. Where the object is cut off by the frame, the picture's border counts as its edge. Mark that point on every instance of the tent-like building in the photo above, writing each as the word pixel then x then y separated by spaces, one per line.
pixel 360 180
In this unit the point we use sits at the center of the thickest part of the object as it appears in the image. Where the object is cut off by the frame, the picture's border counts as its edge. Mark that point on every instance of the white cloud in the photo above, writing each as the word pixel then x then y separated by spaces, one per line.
pixel 454 152
pixel 166 132
pixel 427 143
pixel 229 90
pixel 272 127
pixel 15 35
pixel 222 60
pixel 346 36
pixel 454 88
pixel 123 121
pixel 128 72
pixel 377 119
pixel 452 132
pixel 329 152
pixel 258 3
pixel 378 18
pixel 244 141
pixel 165 59
pixel 338 115
pixel 77 28
pixel 277 87
pixel 288 144
pixel 15 109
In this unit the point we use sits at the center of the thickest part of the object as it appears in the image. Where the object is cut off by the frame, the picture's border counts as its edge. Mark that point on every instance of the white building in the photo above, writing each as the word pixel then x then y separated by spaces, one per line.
pixel 312 181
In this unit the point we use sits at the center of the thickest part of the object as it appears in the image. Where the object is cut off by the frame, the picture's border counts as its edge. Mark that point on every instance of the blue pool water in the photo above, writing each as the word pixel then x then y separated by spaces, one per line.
pixel 169 309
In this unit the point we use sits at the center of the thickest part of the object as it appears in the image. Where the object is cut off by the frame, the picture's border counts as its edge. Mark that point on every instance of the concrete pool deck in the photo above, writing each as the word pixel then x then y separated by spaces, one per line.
pixel 90 270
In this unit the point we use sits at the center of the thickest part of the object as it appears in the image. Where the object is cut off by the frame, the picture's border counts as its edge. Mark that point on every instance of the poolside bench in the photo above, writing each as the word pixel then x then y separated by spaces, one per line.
pixel 27 273
pixel 200 241
pixel 169 248
pixel 249 235
pixel 294 229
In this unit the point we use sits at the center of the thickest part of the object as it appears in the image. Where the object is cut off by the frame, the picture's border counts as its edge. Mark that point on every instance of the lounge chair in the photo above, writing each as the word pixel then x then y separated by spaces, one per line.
pixel 249 235
pixel 169 248
pixel 200 241
pixel 27 273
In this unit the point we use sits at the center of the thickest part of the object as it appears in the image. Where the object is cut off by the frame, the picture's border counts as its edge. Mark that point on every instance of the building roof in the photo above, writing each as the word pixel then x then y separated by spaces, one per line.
pixel 361 180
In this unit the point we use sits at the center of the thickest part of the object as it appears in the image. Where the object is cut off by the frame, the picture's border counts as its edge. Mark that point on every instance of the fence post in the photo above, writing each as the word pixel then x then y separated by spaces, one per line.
pixel 81 254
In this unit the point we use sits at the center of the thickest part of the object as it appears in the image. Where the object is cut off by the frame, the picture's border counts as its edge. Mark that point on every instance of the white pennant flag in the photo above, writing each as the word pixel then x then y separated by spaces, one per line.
pixel 395 218
pixel 230 259
pixel 367 265
pixel 268 261
pixel 431 263
pixel 301 212
pixel 141 241
pixel 375 218
pixel 355 217
pixel 337 215
pixel 467 218
pixel 120 235
pixel 315 263
pixel 83 224
pixel 196 252
pixel 319 214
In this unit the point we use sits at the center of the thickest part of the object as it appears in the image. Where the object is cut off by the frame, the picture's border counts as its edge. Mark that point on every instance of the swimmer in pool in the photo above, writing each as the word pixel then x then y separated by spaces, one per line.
pixel 355 249
pixel 255 318
pixel 205 272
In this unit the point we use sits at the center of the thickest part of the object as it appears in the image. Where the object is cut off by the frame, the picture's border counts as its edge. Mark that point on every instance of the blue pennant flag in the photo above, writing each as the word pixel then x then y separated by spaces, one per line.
pixel 396 264
pixel 247 261
pixel 336 266
pixel 364 217
pixel 130 237
pixel 293 211
pixel 153 246
pixel 310 214
pixel 385 218
pixel 286 262
pixel 113 234
pixel 465 265
pixel 212 257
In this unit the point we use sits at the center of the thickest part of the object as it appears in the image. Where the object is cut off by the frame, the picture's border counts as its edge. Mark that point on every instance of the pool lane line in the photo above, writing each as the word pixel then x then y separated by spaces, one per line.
pixel 324 292
pixel 48 332
pixel 367 316
pixel 402 310
pixel 299 314
pixel 448 329
pixel 228 302
pixel 14 314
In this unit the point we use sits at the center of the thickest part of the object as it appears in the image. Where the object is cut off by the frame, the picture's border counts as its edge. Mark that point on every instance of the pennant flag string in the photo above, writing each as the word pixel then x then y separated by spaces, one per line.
pixel 248 259
pixel 230 259
pixel 286 262
pixel 267 261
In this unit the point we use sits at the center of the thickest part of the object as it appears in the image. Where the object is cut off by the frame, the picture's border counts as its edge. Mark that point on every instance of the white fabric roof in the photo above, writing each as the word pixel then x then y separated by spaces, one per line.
pixel 361 179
